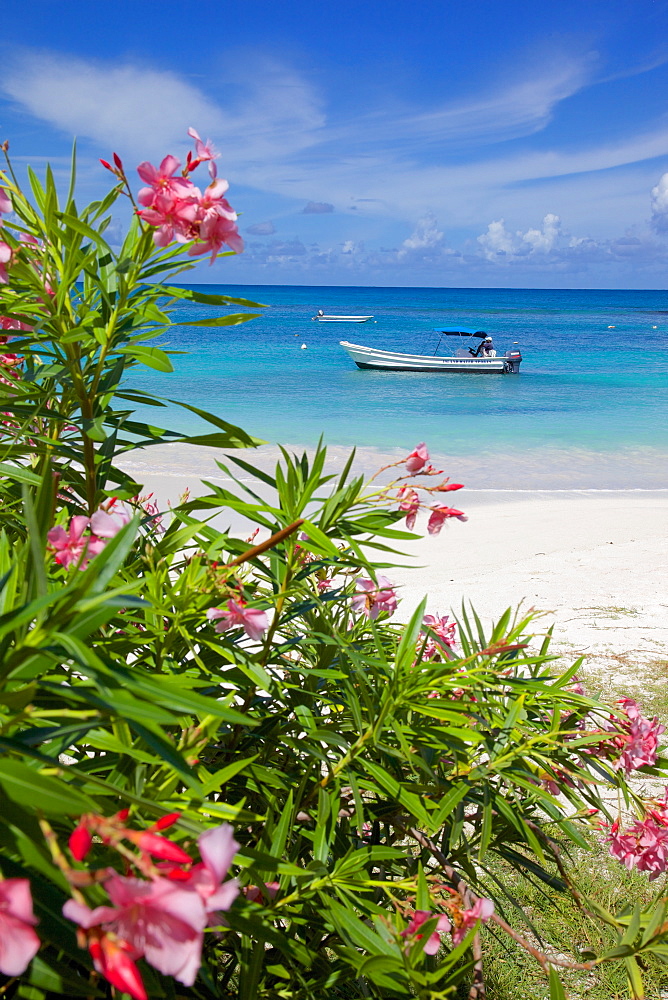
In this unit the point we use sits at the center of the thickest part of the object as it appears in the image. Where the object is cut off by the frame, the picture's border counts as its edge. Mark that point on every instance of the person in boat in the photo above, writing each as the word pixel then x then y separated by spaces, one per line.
pixel 485 349
pixel 320 312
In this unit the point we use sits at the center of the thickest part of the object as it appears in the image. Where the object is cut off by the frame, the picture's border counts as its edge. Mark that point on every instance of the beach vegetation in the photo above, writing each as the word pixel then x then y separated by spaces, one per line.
pixel 225 769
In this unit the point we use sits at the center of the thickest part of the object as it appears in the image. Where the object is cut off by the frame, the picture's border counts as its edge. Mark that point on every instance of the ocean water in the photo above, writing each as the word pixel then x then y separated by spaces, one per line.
pixel 588 411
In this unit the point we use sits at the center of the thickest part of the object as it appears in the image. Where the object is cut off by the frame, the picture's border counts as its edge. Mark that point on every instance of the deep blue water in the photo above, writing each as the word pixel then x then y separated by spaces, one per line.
pixel 585 391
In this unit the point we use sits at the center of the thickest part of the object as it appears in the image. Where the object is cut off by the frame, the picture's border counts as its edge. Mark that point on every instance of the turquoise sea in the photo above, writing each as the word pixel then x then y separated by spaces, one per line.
pixel 589 409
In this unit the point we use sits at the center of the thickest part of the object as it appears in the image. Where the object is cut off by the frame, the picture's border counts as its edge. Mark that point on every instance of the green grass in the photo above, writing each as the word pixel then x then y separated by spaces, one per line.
pixel 562 928
pixel 564 931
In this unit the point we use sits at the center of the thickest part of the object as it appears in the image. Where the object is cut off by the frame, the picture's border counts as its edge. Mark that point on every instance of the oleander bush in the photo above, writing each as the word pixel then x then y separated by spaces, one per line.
pixel 225 771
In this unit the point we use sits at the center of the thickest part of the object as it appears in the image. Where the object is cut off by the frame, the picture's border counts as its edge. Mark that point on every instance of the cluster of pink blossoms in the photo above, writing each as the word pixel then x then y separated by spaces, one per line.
pixel 644 845
pixel 160 917
pixel 443 630
pixel 253 621
pixel 372 597
pixel 86 536
pixel 458 927
pixel 178 210
pixel 150 507
pixel 632 740
pixel 417 463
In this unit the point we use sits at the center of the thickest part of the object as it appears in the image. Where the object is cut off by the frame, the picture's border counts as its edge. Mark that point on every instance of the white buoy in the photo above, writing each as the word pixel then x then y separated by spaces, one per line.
pixel 654 328
pixel 304 347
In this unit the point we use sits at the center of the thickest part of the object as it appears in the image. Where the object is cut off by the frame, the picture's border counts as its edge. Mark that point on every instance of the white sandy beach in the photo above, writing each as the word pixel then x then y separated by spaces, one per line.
pixel 595 563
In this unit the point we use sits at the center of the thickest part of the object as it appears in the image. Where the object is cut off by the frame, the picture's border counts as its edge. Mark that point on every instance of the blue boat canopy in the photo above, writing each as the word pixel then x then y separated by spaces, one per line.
pixel 459 331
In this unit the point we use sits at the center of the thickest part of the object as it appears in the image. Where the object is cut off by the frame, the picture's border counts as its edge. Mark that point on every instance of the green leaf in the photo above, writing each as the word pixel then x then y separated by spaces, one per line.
pixel 47 973
pixel 221 777
pixel 635 978
pixel 152 357
pixel 556 989
pixel 55 797
pixel 409 800
pixel 448 804
pixel 185 294
pixel 232 320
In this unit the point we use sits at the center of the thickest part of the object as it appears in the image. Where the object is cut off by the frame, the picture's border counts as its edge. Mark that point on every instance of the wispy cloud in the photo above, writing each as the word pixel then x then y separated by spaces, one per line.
pixel 142 110
pixel 277 137
pixel 262 229
pixel 507 110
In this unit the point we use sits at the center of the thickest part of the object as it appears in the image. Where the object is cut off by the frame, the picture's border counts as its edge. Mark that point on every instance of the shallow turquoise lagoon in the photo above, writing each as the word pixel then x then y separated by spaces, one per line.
pixel 591 403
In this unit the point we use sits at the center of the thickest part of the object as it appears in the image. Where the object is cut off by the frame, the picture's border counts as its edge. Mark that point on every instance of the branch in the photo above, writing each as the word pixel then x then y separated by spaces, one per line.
pixel 267 544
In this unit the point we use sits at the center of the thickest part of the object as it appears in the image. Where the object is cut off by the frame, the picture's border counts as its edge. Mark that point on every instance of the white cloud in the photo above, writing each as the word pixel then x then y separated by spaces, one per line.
pixel 496 241
pixel 424 241
pixel 553 249
pixel 659 197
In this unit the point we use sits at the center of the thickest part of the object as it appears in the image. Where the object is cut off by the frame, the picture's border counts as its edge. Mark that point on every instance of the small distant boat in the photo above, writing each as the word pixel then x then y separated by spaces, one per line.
pixel 322 318
pixel 463 360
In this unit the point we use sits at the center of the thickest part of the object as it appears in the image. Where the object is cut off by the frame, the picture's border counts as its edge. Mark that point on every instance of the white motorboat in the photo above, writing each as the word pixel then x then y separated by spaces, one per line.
pixel 322 318
pixel 463 359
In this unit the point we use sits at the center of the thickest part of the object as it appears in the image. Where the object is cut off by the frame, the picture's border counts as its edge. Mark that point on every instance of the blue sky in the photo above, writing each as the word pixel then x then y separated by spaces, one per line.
pixel 411 142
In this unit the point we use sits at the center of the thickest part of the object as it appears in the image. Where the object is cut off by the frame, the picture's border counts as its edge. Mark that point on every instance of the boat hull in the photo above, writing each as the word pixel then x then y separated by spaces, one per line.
pixel 342 319
pixel 370 357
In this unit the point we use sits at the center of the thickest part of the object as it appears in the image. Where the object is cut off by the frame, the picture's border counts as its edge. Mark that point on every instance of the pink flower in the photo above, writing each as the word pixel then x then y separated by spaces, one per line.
pixel 173 218
pixel 107 523
pixel 204 150
pixel 253 621
pixel 411 504
pixel 162 181
pixel 255 894
pixel 417 458
pixel 151 508
pixel 70 545
pixel 216 229
pixel 644 845
pixel 162 922
pixel 632 740
pixel 5 201
pixel 440 515
pixel 12 324
pixel 372 598
pixel 442 627
pixel 217 848
pixel 419 918
pixel 642 743
pixel 482 909
pixel 18 941
pixel 5 257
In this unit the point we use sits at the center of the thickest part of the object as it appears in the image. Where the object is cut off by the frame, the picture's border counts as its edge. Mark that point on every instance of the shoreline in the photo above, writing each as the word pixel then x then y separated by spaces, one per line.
pixel 538 470
pixel 588 560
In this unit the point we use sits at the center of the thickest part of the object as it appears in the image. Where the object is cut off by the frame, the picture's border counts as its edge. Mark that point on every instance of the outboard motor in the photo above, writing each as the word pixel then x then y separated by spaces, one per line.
pixel 513 360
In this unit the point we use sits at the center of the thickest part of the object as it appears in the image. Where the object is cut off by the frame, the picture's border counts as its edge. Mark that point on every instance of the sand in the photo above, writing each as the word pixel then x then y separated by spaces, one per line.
pixel 594 563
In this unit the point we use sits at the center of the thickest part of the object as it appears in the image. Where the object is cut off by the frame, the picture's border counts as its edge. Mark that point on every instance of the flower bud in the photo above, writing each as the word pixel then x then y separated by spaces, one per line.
pixel 80 842
pixel 159 847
